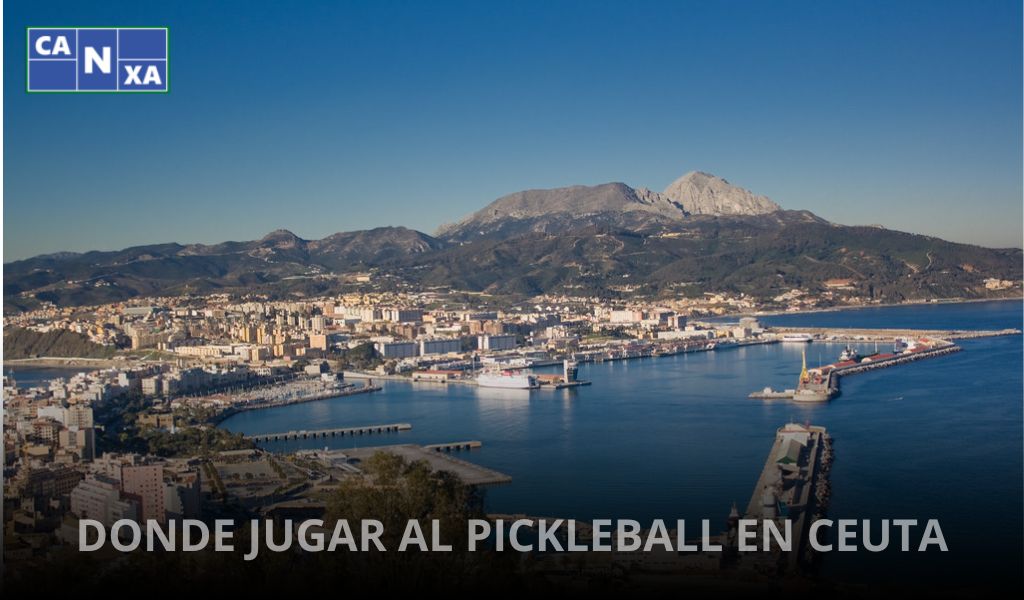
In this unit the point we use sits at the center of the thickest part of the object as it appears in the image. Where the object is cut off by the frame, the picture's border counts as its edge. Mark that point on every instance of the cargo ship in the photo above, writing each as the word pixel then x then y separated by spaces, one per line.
pixel 506 380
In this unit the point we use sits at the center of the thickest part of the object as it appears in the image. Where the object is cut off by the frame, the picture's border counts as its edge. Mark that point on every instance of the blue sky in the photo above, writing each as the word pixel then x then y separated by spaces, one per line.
pixel 332 116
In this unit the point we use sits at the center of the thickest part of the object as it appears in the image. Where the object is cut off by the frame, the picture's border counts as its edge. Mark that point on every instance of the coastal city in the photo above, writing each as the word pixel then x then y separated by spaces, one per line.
pixel 528 298
pixel 133 432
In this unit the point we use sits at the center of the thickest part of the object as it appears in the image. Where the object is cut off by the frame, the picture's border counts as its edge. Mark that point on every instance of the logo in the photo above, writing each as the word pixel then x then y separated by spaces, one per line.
pixel 97 59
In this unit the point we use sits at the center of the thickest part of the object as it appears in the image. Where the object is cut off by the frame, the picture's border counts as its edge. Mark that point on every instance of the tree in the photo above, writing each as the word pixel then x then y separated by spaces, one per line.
pixel 363 356
pixel 393 491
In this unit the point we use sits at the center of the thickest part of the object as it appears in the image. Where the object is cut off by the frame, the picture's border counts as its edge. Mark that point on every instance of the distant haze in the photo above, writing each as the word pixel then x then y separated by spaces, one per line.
pixel 352 115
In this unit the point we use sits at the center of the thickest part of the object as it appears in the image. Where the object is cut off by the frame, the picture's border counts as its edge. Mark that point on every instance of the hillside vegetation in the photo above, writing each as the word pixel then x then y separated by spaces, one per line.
pixel 25 343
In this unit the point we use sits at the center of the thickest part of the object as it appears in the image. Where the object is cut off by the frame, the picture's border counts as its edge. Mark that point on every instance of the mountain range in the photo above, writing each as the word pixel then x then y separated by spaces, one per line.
pixel 700 234
pixel 609 204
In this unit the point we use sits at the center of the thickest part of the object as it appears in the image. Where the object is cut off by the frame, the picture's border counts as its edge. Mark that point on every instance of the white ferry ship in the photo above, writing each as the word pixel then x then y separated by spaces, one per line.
pixel 507 380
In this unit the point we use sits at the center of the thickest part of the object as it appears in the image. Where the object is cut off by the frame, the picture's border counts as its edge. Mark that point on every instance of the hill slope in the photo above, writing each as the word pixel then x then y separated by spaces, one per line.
pixel 275 259
pixel 761 255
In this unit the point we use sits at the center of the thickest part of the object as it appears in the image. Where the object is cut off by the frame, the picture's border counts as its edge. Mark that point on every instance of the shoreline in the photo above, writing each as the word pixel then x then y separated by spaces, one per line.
pixel 69 362
pixel 231 411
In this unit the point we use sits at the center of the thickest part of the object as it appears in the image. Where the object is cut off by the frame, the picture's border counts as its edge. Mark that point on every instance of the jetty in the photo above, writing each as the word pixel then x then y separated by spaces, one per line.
pixel 454 446
pixel 861 334
pixel 794 485
pixel 822 383
pixel 312 434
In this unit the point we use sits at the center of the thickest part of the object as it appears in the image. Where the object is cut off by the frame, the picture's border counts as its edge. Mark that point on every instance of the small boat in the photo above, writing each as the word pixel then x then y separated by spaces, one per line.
pixel 849 353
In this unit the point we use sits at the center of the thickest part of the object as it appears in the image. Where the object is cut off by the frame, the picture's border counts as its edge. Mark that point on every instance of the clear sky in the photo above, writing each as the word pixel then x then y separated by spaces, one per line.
pixel 332 116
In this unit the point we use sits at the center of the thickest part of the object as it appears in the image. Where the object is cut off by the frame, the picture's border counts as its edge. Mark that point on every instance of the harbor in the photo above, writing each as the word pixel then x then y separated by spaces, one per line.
pixel 508 377
pixel 516 370
pixel 821 384
pixel 558 445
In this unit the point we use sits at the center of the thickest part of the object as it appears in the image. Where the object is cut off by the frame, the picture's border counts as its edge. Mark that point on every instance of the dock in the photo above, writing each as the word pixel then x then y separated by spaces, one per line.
pixel 454 446
pixel 822 384
pixel 858 335
pixel 328 433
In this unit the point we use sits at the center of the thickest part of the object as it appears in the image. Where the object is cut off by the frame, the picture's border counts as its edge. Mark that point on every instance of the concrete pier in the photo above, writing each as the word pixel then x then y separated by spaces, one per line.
pixel 328 433
pixel 454 446
pixel 831 375
pixel 856 335
pixel 794 485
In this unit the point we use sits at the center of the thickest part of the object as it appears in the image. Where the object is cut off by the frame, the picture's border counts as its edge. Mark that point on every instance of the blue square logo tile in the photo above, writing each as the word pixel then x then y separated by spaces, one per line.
pixel 97 59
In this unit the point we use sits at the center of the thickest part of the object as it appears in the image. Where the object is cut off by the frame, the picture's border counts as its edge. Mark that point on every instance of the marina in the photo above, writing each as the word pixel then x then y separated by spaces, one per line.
pixel 271 401
pixel 277 399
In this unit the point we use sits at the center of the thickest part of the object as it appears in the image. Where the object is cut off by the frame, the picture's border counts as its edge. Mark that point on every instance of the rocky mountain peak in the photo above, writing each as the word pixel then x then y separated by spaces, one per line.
pixel 701 193
pixel 553 210
pixel 281 238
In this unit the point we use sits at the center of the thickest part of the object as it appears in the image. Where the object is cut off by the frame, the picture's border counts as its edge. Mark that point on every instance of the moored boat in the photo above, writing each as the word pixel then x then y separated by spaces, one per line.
pixel 506 380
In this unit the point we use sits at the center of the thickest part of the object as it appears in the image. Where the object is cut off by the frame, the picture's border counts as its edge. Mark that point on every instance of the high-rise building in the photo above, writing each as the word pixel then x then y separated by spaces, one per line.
pixel 146 482
pixel 80 441
pixel 440 346
pixel 397 349
pixel 496 342
pixel 402 315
